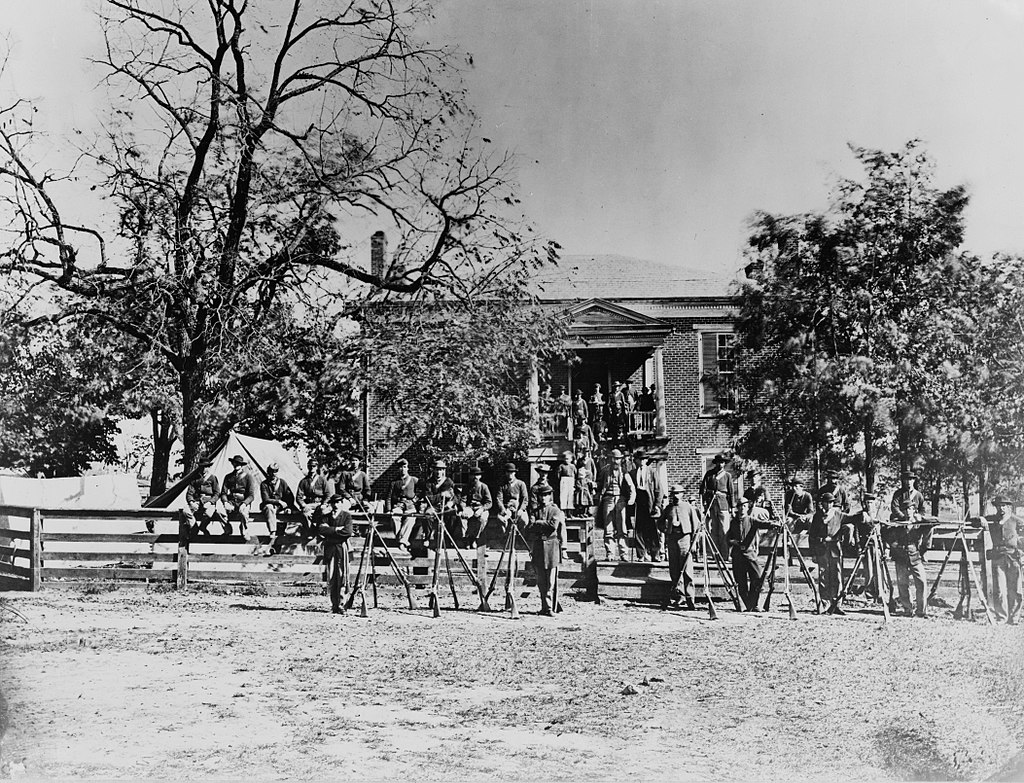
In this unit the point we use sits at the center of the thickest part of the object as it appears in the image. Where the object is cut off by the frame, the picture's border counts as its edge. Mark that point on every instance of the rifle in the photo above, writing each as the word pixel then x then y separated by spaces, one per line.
pixel 442 534
pixel 371 520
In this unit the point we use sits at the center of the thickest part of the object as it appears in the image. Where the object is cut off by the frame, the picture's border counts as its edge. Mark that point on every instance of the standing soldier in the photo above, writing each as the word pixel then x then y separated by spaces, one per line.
pixel 239 492
pixel 1007 532
pixel 579 412
pixel 354 481
pixel 597 413
pixel 476 508
pixel 824 539
pixel 680 521
pixel 546 548
pixel 907 544
pixel 513 499
pixel 275 498
pixel 745 544
pixel 649 499
pixel 718 494
pixel 402 496
pixel 615 493
pixel 313 493
pixel 203 504
pixel 542 481
pixel 335 529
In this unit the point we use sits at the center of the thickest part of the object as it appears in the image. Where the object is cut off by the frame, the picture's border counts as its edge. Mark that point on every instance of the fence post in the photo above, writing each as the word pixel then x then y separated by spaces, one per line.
pixel 183 532
pixel 589 559
pixel 36 550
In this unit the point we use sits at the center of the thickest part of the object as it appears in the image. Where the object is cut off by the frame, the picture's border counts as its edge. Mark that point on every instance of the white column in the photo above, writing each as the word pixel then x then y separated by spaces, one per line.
pixel 660 426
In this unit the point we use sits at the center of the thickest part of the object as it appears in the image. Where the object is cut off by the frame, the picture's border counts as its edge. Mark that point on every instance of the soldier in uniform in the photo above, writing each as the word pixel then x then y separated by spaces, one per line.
pixel 907 544
pixel 354 481
pixel 579 411
pixel 313 493
pixel 513 499
pixel 615 493
pixel 544 531
pixel 744 544
pixel 402 496
pixel 799 512
pixel 542 481
pixel 1007 553
pixel 597 412
pixel 476 507
pixel 275 498
pixel 824 538
pixel 203 504
pixel 440 508
pixel 718 494
pixel 239 492
pixel 680 521
pixel 336 529
pixel 649 499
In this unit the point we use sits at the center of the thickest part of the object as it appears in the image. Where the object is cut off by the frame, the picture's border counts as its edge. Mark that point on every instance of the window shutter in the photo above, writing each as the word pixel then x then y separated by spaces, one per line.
pixel 709 366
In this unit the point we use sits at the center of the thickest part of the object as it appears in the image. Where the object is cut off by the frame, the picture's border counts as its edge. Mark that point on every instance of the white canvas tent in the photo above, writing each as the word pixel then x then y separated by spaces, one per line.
pixel 257 451
pixel 117 491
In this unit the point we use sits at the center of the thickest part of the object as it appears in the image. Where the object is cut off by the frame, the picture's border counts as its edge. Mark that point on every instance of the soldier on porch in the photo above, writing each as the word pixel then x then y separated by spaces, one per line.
pixel 314 491
pixel 579 411
pixel 598 421
pixel 354 481
pixel 615 493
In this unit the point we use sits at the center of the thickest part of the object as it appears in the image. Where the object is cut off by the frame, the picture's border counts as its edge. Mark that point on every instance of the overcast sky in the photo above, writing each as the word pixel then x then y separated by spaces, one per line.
pixel 654 129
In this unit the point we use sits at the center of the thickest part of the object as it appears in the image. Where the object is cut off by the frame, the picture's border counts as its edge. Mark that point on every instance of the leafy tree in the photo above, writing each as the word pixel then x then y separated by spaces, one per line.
pixel 851 302
pixel 250 148
pixel 54 405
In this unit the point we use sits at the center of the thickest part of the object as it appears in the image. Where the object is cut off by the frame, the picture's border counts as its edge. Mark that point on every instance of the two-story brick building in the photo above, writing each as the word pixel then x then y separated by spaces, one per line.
pixel 637 321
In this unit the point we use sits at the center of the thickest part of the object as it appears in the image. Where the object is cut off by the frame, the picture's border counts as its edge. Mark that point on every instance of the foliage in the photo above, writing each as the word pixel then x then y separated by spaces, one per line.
pixel 848 315
pixel 54 404
pixel 250 149
pixel 452 375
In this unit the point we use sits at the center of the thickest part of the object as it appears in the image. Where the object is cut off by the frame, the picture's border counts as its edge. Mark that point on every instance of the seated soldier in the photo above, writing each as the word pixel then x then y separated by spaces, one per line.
pixel 313 495
pixel 476 508
pixel 239 492
pixel 203 504
pixel 275 498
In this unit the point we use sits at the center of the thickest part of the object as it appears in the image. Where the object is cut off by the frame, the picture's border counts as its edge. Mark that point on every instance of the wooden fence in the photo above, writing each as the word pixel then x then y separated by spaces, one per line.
pixel 44 547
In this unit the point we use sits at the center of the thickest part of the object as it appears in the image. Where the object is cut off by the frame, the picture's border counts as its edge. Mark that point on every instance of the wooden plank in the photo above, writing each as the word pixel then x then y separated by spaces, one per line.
pixel 112 574
pixel 25 512
pixel 127 538
pixel 199 558
pixel 10 569
pixel 36 550
pixel 20 535
pixel 199 575
pixel 50 555
pixel 133 515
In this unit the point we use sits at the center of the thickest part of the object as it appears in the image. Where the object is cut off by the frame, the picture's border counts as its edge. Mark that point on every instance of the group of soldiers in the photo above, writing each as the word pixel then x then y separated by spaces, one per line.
pixel 627 500
pixel 597 416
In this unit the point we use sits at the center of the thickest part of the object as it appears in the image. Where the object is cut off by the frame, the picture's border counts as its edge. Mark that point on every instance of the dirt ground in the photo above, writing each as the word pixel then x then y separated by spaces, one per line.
pixel 159 684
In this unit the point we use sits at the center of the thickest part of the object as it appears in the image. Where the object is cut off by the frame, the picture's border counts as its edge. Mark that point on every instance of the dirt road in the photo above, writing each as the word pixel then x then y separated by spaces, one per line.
pixel 136 684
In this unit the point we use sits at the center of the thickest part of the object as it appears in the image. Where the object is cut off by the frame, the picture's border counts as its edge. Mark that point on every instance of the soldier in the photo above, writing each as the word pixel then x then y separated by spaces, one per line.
pixel 546 548
pixel 680 521
pixel 825 547
pixel 402 496
pixel 476 508
pixel 513 499
pixel 744 543
pixel 649 499
pixel 1007 532
pixel 239 492
pixel 566 477
pixel 907 544
pixel 275 498
pixel 336 529
pixel 440 509
pixel 579 411
pixel 203 504
pixel 799 512
pixel 718 494
pixel 354 481
pixel 542 481
pixel 584 441
pixel 314 492
pixel 583 492
pixel 615 493
pixel 597 412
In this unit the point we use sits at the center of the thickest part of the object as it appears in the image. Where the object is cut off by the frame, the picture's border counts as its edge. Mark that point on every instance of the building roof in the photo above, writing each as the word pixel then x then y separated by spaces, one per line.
pixel 622 277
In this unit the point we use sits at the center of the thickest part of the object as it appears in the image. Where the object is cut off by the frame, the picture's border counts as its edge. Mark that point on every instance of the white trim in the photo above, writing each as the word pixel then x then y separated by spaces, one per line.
pixel 731 328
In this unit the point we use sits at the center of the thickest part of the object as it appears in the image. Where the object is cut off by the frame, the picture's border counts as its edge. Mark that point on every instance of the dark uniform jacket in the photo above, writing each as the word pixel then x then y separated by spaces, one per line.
pixel 315 489
pixel 403 489
pixel 337 527
pixel 653 490
pixel 614 481
pixel 477 496
pixel 240 489
pixel 742 534
pixel 356 484
pixel 1007 537
pixel 441 495
pixel 547 543
pixel 276 489
pixel 513 495
pixel 205 490
pixel 718 484
pixel 680 519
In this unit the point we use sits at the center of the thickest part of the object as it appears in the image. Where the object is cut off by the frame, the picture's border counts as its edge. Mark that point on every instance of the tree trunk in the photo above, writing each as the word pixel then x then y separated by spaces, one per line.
pixel 869 458
pixel 164 435
pixel 190 383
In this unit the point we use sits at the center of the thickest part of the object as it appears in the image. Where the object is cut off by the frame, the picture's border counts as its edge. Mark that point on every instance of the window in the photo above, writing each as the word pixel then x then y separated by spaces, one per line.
pixel 718 372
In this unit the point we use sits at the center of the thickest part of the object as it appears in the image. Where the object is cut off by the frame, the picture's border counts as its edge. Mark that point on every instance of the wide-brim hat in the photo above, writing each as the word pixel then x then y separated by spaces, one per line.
pixel 540 467
pixel 238 459
pixel 719 459
pixel 639 454
pixel 510 467
pixel 475 471
pixel 1001 500
pixel 616 454
pixel 676 489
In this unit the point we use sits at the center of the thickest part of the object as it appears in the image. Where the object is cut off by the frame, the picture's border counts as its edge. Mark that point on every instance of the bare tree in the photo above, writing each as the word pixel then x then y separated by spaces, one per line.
pixel 245 150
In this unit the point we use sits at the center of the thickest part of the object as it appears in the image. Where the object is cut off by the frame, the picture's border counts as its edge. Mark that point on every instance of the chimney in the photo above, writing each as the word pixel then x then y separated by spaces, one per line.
pixel 378 250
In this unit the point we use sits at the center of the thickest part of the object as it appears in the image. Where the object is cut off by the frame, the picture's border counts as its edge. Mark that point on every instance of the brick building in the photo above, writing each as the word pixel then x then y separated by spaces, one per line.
pixel 643 322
